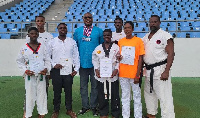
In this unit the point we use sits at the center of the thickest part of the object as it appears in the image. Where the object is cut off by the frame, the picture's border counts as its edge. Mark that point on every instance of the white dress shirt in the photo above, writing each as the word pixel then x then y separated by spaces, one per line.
pixel 117 36
pixel 64 49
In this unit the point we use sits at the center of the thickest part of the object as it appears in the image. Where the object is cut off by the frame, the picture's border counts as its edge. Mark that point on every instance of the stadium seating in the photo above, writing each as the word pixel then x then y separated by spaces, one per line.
pixel 141 10
pixel 177 15
pixel 16 18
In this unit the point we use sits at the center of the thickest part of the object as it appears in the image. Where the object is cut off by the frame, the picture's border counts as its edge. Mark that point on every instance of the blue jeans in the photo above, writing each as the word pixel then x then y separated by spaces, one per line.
pixel 85 74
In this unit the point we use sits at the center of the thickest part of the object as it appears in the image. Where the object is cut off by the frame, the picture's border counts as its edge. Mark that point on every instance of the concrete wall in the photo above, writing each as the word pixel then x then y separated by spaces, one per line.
pixel 186 63
pixel 11 4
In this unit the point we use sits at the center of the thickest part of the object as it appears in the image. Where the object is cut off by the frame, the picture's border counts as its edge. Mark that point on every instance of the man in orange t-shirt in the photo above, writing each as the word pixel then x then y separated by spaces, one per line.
pixel 131 56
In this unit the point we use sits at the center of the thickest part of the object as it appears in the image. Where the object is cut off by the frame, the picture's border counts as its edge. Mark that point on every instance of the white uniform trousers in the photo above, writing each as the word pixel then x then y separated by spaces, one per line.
pixel 162 90
pixel 126 85
pixel 36 91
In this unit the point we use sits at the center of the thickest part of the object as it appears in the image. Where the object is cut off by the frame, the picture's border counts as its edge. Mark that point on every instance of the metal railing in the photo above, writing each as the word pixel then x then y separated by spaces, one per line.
pixel 52 29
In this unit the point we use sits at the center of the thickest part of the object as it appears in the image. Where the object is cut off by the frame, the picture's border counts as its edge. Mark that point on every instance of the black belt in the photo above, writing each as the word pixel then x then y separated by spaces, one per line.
pixel 151 67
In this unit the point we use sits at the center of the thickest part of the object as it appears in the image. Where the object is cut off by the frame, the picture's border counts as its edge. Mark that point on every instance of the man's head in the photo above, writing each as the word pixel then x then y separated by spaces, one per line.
pixel 128 28
pixel 88 20
pixel 33 33
pixel 62 29
pixel 107 35
pixel 118 22
pixel 154 23
pixel 40 21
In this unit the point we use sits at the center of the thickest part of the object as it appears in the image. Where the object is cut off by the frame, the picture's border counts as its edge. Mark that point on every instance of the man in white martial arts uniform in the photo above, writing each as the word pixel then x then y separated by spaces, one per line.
pixel 106 72
pixel 34 62
pixel 65 54
pixel 119 33
pixel 159 47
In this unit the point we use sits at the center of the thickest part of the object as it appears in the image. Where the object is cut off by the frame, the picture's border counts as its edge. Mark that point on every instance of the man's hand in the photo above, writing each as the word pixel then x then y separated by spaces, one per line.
pixel 119 57
pixel 136 80
pixel 164 76
pixel 114 73
pixel 73 73
pixel 58 66
pixel 44 72
pixel 97 73
pixel 29 73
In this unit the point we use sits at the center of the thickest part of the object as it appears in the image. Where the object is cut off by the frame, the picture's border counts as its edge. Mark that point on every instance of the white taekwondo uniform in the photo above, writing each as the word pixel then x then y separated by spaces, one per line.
pixel 35 85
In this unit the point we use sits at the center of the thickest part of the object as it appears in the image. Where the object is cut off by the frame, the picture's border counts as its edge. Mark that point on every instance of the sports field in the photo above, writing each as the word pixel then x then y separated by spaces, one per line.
pixel 186 93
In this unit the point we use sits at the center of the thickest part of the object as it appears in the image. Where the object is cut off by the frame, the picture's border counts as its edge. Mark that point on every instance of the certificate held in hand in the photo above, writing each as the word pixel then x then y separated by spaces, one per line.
pixel 67 66
pixel 128 55
pixel 105 67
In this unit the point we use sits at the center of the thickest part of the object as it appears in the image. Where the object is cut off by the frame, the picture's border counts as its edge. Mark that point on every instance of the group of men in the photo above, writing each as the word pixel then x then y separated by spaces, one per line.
pixel 106 59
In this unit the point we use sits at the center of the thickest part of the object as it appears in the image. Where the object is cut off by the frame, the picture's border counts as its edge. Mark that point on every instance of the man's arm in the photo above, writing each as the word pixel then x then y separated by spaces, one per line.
pixel 170 58
pixel 136 80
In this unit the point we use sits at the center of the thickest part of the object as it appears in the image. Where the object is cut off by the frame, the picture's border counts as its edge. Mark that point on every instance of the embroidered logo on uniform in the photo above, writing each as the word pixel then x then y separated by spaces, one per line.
pixel 158 41
pixel 37 56
pixel 25 49
pixel 22 51
pixel 98 51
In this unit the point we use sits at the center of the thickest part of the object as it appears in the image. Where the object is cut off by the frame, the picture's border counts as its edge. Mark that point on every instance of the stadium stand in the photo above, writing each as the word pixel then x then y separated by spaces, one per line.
pixel 16 18
pixel 179 17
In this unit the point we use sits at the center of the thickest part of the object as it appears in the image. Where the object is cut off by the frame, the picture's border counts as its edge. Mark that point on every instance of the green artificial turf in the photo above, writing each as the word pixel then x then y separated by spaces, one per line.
pixel 186 94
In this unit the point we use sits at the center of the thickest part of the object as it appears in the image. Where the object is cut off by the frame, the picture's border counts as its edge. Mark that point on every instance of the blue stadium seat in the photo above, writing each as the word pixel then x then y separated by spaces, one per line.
pixel 2 25
pixel 69 35
pixel 54 34
pixel 5 36
pixel 102 25
pixel 14 31
pixel 185 28
pixel 3 30
pixel 140 35
pixel 195 35
pixel 181 35
pixel 137 29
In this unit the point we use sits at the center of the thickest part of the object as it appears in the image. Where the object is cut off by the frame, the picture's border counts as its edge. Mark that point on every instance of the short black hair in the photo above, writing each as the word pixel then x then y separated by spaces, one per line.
pixel 87 13
pixel 130 22
pixel 118 18
pixel 39 16
pixel 108 30
pixel 33 28
pixel 61 24
pixel 156 16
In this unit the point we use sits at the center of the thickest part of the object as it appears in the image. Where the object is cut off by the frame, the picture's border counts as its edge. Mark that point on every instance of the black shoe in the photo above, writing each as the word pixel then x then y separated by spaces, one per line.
pixel 95 112
pixel 83 111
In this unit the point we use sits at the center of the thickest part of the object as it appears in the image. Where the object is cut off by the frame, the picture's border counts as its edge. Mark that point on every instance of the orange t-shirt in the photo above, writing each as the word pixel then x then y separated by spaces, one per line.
pixel 129 71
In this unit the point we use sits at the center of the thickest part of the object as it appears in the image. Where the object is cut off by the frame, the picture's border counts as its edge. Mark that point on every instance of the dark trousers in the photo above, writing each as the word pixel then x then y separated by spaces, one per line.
pixel 85 74
pixel 59 82
pixel 115 100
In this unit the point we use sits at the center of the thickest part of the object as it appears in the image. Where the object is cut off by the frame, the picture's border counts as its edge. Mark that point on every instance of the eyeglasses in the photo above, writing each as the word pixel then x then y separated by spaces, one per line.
pixel 87 17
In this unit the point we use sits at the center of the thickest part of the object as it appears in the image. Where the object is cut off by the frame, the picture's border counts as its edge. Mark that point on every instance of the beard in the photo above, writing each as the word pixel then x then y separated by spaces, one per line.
pixel 153 29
